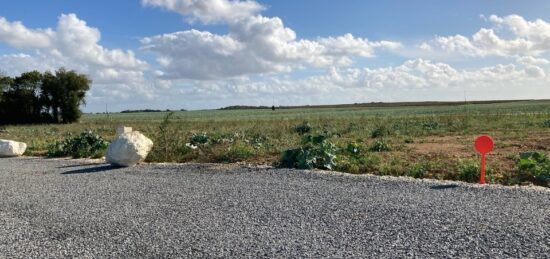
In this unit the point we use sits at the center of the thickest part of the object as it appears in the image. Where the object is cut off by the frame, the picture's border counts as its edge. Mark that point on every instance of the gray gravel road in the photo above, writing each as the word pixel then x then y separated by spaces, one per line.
pixel 62 208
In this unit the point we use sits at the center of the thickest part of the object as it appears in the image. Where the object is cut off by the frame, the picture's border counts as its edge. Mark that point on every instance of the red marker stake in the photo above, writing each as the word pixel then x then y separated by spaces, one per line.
pixel 482 175
pixel 484 144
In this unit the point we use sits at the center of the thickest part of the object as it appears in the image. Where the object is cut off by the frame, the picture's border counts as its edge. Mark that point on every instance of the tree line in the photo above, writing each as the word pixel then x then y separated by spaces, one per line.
pixel 35 97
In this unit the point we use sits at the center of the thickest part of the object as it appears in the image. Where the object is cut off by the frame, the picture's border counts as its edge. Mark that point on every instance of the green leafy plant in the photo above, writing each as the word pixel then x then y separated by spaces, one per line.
pixel 380 146
pixel 354 149
pixel 430 125
pixel 199 139
pixel 315 152
pixel 535 167
pixel 380 131
pixel 546 123
pixel 417 171
pixel 303 128
pixel 237 153
pixel 87 144
pixel 468 171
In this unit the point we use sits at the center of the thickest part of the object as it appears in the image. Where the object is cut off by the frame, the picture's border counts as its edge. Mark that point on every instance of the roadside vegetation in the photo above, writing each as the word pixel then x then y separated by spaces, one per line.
pixel 417 141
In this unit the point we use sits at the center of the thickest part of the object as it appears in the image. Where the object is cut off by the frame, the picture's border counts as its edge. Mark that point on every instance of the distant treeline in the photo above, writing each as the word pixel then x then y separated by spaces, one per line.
pixel 149 110
pixel 35 97
pixel 372 104
pixel 242 107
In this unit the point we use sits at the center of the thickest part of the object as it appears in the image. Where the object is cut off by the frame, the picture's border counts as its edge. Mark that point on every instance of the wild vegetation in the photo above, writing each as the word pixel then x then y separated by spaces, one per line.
pixel 430 141
pixel 35 97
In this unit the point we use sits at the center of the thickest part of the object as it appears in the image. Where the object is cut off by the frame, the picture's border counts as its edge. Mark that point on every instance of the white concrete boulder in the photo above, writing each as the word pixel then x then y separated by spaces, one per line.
pixel 129 148
pixel 9 148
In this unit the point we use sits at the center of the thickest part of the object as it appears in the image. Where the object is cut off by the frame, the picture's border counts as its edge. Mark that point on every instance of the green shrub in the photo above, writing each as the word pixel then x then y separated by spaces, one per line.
pixel 417 171
pixel 380 131
pixel 380 146
pixel 535 167
pixel 358 164
pixel 257 140
pixel 354 149
pixel 198 139
pixel 430 125
pixel 303 128
pixel 315 152
pixel 237 153
pixel 468 171
pixel 87 144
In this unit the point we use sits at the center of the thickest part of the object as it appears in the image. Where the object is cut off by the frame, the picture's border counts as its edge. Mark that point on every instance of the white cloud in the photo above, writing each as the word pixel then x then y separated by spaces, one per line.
pixel 80 42
pixel 415 79
pixel 254 45
pixel 528 60
pixel 17 35
pixel 209 11
pixel 253 61
pixel 74 45
pixel 528 38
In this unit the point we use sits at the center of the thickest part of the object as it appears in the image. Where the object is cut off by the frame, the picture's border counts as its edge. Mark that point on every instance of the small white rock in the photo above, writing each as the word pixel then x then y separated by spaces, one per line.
pixel 128 149
pixel 9 148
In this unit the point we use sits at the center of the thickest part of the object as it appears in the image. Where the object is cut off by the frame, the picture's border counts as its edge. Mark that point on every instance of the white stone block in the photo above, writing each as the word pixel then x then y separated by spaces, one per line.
pixel 129 149
pixel 9 148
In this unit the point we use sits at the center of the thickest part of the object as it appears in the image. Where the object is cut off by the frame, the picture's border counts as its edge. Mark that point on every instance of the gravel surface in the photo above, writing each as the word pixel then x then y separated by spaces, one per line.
pixel 71 208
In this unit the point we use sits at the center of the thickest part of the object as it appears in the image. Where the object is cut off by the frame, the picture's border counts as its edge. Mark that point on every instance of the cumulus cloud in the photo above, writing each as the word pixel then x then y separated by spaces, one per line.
pixel 420 77
pixel 413 80
pixel 209 11
pixel 528 60
pixel 528 38
pixel 75 45
pixel 17 35
pixel 254 45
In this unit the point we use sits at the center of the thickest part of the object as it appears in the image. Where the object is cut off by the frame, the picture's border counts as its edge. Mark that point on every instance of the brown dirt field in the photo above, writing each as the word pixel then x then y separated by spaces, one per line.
pixel 461 147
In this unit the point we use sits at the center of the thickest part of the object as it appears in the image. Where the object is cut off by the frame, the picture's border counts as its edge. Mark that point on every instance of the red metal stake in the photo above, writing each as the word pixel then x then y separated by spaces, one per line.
pixel 482 175
pixel 484 144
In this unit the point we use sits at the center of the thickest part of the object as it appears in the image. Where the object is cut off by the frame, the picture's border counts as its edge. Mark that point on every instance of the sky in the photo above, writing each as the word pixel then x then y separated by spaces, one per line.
pixel 206 54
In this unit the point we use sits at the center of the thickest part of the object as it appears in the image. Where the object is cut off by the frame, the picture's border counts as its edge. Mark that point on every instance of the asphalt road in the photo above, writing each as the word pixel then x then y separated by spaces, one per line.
pixel 63 208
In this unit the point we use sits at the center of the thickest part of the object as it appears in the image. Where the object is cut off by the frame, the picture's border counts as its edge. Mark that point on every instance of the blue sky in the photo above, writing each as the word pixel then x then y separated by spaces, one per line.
pixel 212 53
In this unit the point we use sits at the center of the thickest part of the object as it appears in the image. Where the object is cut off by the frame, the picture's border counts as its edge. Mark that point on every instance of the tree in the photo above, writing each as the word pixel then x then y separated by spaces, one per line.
pixel 73 91
pixel 5 82
pixel 20 103
pixel 35 97
pixel 51 95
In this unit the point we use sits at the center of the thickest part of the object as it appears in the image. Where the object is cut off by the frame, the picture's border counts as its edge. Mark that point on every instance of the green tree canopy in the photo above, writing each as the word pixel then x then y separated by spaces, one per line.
pixel 35 97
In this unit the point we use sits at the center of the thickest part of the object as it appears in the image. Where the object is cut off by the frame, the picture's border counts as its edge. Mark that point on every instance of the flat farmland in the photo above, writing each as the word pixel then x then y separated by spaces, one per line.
pixel 417 140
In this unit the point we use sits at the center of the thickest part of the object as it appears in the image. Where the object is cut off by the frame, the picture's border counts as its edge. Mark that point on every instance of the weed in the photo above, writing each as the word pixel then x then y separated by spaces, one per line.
pixel 417 171
pixel 315 152
pixel 164 140
pixel 198 139
pixel 430 125
pixel 303 128
pixel 380 146
pixel 380 131
pixel 87 144
pixel 358 164
pixel 237 153
pixel 534 167
pixel 354 149
pixel 468 171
